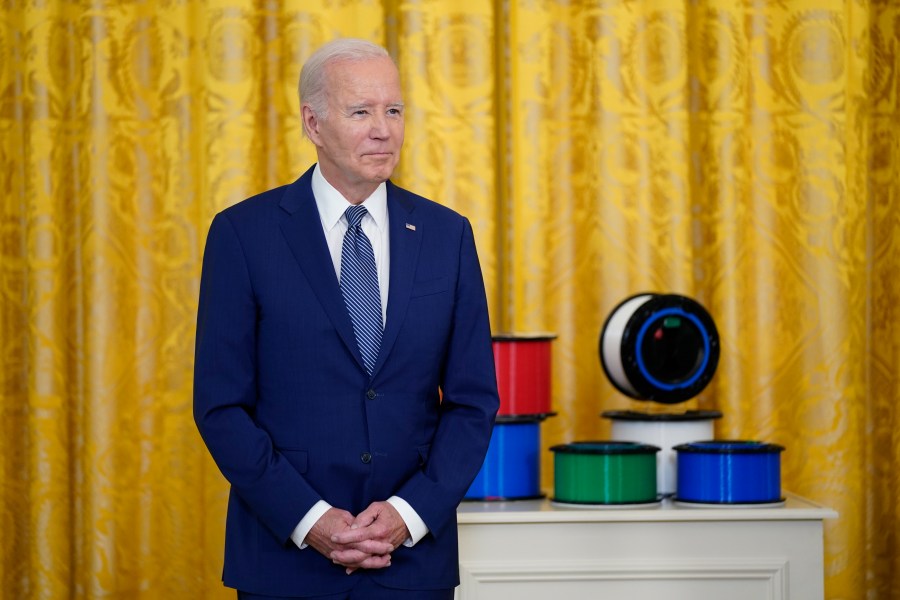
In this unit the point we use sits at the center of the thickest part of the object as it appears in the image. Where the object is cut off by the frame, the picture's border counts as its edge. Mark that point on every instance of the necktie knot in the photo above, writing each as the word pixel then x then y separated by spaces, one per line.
pixel 355 215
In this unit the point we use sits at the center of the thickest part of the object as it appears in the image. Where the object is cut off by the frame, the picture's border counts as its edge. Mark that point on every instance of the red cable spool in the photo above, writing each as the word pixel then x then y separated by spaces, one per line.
pixel 522 362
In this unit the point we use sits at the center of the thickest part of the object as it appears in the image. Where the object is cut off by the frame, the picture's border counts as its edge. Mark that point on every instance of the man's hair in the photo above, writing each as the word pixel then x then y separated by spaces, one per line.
pixel 312 75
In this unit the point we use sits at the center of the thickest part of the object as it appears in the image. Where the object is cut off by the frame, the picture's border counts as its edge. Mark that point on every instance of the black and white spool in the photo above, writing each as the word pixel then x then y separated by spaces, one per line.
pixel 659 347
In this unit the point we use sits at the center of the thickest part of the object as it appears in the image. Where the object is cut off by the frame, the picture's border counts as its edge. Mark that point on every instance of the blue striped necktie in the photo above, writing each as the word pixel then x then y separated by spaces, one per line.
pixel 359 287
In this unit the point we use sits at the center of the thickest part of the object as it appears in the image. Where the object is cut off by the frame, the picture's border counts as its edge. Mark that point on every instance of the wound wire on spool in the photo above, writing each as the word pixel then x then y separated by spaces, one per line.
pixel 511 468
pixel 604 472
pixel 523 366
pixel 660 347
pixel 729 472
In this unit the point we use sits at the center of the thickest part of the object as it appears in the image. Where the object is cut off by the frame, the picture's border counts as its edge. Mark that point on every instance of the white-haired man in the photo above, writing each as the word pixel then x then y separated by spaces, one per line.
pixel 344 378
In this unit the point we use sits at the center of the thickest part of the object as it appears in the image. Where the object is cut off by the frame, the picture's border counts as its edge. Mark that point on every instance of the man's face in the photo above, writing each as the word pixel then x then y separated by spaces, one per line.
pixel 358 143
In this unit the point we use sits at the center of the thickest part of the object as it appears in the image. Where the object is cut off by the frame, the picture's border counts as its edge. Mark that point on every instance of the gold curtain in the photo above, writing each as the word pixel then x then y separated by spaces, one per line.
pixel 744 153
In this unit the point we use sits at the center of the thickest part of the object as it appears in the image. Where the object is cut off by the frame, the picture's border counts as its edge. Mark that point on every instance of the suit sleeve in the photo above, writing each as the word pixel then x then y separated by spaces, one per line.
pixel 469 403
pixel 225 389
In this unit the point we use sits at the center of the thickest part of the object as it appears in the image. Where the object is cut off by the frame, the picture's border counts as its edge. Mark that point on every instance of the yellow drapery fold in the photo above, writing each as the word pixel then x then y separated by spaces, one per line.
pixel 746 154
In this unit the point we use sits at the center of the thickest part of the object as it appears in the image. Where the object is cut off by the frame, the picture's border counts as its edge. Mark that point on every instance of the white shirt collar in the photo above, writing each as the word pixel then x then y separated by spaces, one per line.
pixel 332 204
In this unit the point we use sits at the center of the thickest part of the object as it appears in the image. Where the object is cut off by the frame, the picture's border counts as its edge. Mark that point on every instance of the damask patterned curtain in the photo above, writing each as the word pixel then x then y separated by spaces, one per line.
pixel 743 153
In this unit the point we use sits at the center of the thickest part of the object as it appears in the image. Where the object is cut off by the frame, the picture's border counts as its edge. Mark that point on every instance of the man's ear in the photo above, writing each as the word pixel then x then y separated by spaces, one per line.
pixel 310 123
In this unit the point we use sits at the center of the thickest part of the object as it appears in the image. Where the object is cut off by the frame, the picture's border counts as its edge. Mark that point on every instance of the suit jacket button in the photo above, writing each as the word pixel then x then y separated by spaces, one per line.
pixel 365 457
pixel 370 394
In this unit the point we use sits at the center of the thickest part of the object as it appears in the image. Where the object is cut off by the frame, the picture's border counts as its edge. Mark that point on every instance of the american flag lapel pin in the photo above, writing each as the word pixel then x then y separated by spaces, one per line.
pixel 410 226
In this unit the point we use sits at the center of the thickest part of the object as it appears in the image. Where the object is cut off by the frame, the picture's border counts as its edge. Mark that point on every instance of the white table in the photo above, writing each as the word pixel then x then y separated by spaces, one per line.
pixel 533 549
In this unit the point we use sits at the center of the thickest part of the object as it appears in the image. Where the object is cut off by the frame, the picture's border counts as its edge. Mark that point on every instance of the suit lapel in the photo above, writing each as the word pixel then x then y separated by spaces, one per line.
pixel 405 242
pixel 302 228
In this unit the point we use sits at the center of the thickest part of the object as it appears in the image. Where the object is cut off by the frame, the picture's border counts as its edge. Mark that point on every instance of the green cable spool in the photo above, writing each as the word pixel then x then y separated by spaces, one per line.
pixel 605 473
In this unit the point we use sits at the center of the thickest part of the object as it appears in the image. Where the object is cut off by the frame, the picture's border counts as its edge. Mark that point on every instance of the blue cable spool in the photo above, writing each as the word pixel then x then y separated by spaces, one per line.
pixel 729 472
pixel 512 466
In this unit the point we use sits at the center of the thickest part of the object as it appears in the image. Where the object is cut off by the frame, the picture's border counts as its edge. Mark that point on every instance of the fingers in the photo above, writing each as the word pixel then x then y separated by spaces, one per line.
pixel 355 559
pixel 363 542
pixel 373 562
pixel 377 562
pixel 319 537
pixel 361 528
pixel 352 536
pixel 380 521
pixel 367 546
pixel 365 518
pixel 347 553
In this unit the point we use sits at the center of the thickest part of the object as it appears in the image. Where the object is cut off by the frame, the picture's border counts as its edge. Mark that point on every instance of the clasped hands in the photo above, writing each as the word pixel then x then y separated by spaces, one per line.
pixel 362 542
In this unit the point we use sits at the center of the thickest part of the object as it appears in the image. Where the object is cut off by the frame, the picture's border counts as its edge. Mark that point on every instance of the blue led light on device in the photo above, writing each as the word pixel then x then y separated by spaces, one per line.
pixel 697 373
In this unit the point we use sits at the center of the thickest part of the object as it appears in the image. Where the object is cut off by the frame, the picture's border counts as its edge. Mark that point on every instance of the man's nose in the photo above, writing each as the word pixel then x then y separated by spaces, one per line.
pixel 380 128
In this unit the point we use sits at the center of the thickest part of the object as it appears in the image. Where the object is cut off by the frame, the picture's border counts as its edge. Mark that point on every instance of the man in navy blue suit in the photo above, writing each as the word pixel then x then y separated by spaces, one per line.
pixel 348 440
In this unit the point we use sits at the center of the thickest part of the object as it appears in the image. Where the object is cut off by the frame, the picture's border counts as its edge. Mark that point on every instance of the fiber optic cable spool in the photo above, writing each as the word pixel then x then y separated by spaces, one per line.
pixel 660 347
pixel 523 365
pixel 729 472
pixel 604 473
pixel 663 348
pixel 512 466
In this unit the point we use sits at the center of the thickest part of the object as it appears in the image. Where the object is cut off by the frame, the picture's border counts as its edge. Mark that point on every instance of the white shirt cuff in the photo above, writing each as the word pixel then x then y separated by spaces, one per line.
pixel 306 523
pixel 415 524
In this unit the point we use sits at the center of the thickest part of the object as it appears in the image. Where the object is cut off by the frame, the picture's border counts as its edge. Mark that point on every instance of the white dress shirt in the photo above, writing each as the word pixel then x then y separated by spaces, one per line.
pixel 331 205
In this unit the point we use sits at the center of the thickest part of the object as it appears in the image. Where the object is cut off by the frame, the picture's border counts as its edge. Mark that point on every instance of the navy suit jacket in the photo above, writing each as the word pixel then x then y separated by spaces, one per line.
pixel 284 404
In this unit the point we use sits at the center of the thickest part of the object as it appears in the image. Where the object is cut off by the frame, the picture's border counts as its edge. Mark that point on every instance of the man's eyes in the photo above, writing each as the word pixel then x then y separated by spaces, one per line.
pixel 362 112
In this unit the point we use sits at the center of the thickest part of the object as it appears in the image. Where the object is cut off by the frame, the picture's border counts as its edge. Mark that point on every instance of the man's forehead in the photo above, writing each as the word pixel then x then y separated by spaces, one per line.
pixel 357 84
pixel 343 66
